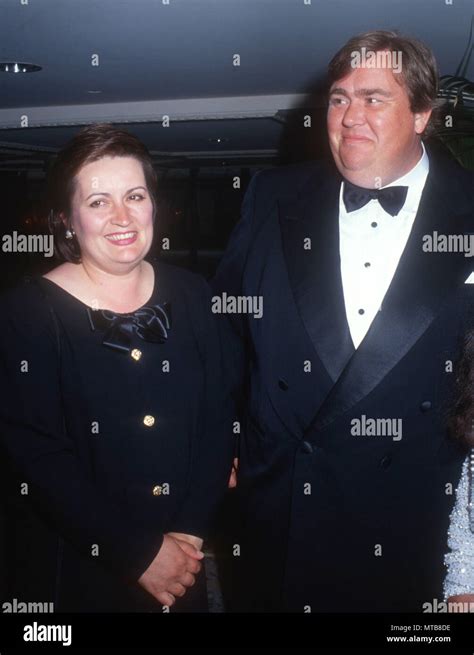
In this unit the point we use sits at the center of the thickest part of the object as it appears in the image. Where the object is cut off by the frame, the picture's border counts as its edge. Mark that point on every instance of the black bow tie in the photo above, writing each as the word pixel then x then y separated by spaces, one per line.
pixel 392 198
pixel 149 323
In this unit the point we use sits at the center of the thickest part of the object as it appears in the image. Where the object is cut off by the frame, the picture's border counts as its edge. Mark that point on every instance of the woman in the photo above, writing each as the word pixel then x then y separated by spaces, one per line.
pixel 116 421
pixel 459 580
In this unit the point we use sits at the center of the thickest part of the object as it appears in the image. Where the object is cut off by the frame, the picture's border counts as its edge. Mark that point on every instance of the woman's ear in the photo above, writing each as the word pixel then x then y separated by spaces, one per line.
pixel 65 221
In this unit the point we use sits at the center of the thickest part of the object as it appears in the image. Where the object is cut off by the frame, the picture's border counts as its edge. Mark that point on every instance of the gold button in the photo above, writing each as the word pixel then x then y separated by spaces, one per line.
pixel 136 354
pixel 157 489
pixel 149 420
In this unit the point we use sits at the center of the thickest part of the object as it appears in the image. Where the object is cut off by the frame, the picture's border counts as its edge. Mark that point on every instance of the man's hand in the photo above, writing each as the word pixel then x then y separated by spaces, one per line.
pixel 233 474
pixel 172 571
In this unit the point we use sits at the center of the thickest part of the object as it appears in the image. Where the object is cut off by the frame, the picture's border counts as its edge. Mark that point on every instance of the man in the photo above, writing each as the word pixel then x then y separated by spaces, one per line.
pixel 346 472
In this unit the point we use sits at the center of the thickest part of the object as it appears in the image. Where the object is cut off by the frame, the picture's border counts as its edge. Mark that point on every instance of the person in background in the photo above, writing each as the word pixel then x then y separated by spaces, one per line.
pixel 459 560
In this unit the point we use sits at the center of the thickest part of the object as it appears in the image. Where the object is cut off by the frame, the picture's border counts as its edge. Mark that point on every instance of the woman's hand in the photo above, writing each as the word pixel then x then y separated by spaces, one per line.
pixel 188 538
pixel 172 571
pixel 463 598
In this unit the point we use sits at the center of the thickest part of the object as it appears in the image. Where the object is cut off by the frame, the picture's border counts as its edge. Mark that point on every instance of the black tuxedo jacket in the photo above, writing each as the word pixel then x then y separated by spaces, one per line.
pixel 332 521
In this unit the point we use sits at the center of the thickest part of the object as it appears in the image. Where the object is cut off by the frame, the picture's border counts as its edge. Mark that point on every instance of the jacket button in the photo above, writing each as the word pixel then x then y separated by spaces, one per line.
pixel 282 384
pixel 307 447
pixel 149 420
pixel 385 461
pixel 425 405
pixel 157 489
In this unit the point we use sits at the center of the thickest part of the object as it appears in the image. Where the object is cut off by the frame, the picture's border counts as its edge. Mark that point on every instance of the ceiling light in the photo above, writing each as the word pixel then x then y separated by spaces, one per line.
pixel 18 67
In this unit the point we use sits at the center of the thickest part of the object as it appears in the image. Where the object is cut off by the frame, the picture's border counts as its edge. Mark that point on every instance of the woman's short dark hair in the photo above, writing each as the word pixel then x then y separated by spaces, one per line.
pixel 90 144
pixel 419 71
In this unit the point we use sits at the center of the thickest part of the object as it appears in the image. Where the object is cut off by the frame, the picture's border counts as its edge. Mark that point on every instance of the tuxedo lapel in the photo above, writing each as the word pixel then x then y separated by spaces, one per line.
pixel 310 236
pixel 422 283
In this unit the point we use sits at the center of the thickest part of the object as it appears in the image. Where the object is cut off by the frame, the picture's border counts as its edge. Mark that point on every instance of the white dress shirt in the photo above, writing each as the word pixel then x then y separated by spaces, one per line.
pixel 371 242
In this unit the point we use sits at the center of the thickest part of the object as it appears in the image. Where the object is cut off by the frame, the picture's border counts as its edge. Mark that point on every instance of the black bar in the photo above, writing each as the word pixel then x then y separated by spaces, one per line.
pixel 156 630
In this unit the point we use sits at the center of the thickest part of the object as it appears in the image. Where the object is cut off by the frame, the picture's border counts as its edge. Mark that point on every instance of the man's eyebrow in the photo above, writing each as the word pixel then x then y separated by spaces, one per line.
pixel 104 193
pixel 338 91
pixel 373 92
pixel 362 92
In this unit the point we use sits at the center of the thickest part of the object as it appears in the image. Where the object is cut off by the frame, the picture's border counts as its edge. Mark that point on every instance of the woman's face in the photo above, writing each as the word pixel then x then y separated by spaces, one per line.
pixel 112 213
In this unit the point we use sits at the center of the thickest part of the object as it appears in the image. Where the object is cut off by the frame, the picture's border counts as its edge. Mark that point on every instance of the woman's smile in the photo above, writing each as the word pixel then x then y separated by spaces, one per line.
pixel 122 238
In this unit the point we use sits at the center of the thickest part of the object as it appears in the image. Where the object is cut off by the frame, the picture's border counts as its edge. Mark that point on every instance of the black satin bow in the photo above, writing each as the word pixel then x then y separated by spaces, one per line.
pixel 392 198
pixel 149 323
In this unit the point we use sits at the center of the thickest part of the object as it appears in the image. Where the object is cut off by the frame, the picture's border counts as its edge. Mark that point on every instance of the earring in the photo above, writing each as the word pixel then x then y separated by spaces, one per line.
pixel 69 234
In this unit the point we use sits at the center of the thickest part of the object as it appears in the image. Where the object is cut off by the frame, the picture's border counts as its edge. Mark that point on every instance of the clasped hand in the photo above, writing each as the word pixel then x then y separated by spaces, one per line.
pixel 174 568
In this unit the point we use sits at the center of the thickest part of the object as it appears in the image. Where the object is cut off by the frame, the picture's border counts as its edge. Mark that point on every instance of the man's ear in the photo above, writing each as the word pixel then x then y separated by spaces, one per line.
pixel 421 120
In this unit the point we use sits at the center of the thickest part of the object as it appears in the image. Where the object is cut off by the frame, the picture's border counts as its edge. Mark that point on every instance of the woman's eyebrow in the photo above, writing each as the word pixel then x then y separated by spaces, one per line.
pixel 105 193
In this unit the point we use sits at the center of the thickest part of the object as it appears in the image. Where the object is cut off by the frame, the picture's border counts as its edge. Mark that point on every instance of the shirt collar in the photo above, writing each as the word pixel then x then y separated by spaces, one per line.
pixel 415 180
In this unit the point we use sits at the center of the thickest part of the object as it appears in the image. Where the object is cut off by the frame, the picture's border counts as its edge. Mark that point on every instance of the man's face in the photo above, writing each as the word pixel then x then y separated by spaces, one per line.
pixel 373 134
